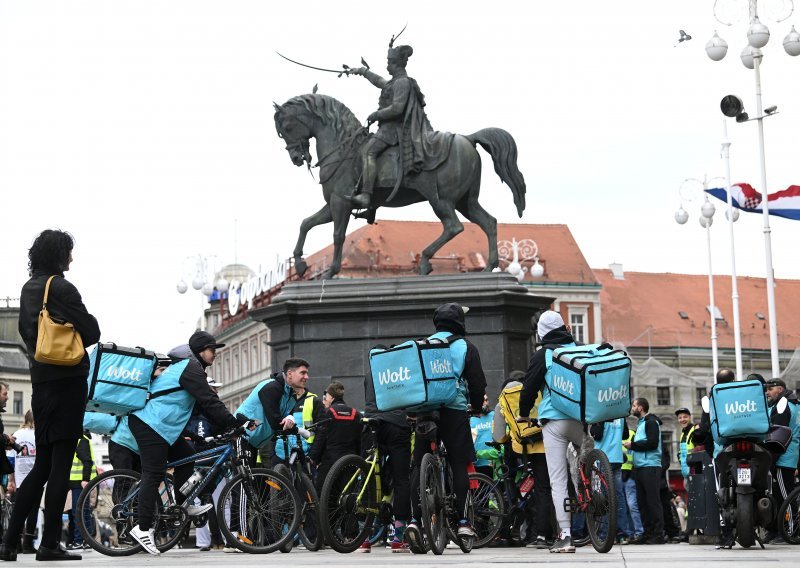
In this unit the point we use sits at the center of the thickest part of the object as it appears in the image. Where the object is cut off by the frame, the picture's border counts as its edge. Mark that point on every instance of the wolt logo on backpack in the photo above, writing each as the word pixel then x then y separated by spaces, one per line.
pixel 609 394
pixel 563 385
pixel 740 407
pixel 388 376
pixel 134 375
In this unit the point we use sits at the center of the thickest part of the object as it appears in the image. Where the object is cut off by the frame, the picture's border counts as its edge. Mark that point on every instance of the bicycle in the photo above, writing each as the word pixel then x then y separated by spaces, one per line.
pixel 299 472
pixel 436 499
pixel 514 501
pixel 789 517
pixel 353 505
pixel 258 509
pixel 596 498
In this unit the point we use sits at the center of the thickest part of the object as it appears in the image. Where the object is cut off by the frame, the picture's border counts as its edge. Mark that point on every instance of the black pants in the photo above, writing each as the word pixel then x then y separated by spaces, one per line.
pixel 155 452
pixel 52 466
pixel 394 442
pixel 671 525
pixel 784 480
pixel 647 494
pixel 123 458
pixel 542 496
pixel 454 431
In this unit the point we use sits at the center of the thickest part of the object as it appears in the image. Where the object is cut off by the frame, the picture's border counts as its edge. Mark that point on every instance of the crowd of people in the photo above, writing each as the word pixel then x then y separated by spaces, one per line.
pixel 522 431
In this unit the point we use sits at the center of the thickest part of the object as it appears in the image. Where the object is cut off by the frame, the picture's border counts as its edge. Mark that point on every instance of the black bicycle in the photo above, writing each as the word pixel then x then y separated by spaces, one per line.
pixel 298 470
pixel 437 500
pixel 258 509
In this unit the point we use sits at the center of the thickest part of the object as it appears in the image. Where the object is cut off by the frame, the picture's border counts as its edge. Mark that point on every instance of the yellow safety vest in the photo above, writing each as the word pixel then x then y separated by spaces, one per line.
pixel 627 459
pixel 76 473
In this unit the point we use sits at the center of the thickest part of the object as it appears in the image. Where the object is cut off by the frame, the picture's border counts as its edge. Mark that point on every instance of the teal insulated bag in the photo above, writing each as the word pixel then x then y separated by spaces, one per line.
pixel 739 409
pixel 590 383
pixel 100 423
pixel 119 378
pixel 415 375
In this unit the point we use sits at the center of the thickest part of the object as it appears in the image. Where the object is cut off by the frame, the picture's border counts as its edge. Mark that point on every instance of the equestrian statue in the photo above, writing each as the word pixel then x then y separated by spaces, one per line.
pixel 404 162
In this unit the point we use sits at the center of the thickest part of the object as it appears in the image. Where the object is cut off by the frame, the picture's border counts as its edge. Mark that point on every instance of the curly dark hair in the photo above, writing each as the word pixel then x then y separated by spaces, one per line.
pixel 50 251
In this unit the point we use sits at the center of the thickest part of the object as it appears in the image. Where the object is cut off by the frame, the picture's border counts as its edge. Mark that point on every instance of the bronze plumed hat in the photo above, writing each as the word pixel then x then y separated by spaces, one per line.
pixel 400 53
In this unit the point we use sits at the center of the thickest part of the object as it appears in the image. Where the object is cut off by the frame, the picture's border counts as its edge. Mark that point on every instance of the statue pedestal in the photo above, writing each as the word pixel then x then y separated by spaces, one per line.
pixel 334 323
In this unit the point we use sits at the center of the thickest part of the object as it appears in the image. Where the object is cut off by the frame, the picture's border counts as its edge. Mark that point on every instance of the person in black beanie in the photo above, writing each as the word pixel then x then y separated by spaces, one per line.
pixel 159 426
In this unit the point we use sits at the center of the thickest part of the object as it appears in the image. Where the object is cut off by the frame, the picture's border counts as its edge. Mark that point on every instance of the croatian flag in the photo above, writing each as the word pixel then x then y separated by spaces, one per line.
pixel 784 203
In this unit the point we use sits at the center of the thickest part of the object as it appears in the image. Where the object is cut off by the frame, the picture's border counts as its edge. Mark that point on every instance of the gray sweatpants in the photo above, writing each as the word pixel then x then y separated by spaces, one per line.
pixel 557 435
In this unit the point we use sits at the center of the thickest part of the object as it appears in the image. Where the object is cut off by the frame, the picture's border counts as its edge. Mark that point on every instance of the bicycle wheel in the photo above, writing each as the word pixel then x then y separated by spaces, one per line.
pixel 601 510
pixel 111 496
pixel 431 496
pixel 310 533
pixel 348 504
pixel 258 513
pixel 488 509
pixel 789 517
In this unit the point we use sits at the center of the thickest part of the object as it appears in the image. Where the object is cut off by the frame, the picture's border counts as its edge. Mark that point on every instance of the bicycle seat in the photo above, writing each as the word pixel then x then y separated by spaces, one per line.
pixel 426 428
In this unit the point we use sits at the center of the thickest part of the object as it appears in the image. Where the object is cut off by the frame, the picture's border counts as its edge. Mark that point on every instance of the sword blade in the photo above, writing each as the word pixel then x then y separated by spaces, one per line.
pixel 310 66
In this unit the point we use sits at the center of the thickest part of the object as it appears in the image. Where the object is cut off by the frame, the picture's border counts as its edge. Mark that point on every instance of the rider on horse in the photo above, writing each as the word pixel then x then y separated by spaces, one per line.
pixel 401 120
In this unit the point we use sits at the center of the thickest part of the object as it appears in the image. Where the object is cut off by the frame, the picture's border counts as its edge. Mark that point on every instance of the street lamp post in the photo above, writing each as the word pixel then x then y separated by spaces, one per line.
pixel 201 267
pixel 707 211
pixel 732 214
pixel 758 37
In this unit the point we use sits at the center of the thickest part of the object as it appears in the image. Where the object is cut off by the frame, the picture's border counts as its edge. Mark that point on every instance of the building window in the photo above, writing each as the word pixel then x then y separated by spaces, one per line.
pixel 700 392
pixel 663 396
pixel 577 323
pixel 236 365
pixel 245 362
pixel 18 403
pixel 254 353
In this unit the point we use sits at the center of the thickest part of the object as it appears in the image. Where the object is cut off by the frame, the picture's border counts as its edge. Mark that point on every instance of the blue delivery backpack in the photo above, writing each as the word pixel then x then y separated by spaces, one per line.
pixel 590 383
pixel 119 378
pixel 416 375
pixel 739 409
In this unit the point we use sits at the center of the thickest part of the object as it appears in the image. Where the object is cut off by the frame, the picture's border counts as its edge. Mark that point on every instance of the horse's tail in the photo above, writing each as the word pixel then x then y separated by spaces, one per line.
pixel 501 146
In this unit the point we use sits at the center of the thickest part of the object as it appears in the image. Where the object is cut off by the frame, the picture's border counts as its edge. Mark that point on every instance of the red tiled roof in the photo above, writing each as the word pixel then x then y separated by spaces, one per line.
pixel 643 299
pixel 392 248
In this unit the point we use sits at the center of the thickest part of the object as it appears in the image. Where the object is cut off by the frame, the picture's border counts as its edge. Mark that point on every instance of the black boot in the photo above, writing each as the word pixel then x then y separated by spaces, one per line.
pixel 57 553
pixel 8 553
pixel 27 544
pixel 362 200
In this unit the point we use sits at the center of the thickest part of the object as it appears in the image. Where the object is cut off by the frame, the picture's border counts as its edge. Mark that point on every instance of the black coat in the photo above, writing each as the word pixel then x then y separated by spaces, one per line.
pixel 64 302
pixel 339 437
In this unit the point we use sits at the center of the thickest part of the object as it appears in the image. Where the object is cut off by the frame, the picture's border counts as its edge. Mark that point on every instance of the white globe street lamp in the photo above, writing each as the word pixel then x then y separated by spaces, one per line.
pixel 757 34
pixel 791 43
pixel 716 48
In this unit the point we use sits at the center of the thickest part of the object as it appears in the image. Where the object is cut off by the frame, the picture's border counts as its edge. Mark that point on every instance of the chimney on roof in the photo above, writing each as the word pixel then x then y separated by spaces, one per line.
pixel 616 271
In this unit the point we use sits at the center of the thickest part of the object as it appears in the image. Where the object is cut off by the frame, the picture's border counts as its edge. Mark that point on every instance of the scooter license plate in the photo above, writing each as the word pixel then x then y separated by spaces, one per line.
pixel 743 475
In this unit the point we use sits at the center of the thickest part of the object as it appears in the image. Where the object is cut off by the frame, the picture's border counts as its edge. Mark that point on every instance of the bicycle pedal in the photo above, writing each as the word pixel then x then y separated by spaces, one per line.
pixel 570 505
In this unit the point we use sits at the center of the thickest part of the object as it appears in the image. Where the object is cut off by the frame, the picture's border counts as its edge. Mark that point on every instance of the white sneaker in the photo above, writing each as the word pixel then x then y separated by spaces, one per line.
pixel 230 549
pixel 195 510
pixel 146 538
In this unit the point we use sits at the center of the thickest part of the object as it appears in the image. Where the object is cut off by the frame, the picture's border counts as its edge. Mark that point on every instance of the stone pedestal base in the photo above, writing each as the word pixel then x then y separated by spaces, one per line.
pixel 333 324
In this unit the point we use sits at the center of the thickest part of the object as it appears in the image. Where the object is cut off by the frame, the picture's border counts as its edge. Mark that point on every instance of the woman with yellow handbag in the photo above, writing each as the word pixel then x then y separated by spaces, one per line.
pixel 51 315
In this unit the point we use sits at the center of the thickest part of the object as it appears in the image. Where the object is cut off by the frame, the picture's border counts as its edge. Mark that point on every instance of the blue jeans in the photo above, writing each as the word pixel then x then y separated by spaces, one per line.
pixel 88 519
pixel 623 523
pixel 633 506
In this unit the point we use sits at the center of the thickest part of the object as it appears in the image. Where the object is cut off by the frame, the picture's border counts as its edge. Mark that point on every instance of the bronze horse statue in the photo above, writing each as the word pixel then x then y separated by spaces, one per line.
pixel 452 186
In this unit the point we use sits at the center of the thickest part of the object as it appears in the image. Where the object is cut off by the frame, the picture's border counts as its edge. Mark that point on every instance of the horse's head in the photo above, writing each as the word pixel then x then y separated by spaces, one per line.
pixel 295 130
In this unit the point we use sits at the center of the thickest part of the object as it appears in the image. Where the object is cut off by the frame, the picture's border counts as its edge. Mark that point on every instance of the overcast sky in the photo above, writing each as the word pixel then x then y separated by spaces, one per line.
pixel 145 129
